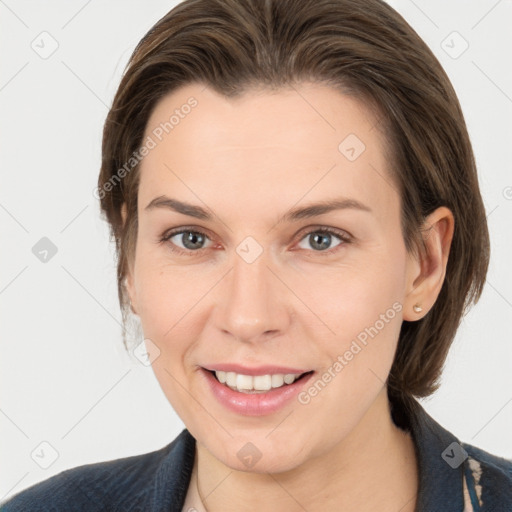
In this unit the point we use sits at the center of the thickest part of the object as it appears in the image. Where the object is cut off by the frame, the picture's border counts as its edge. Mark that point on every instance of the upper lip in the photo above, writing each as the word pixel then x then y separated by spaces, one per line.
pixel 256 370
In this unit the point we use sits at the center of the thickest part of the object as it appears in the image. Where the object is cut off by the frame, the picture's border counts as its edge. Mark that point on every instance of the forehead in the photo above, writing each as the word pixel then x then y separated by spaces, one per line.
pixel 282 144
pixel 262 117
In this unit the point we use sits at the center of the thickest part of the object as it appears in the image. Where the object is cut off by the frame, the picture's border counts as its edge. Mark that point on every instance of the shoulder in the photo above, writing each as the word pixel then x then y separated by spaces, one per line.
pixel 493 462
pixel 130 483
pixel 454 475
pixel 489 475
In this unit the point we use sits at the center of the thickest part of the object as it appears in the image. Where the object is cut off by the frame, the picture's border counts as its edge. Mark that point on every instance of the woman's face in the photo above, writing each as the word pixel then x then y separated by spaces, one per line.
pixel 244 281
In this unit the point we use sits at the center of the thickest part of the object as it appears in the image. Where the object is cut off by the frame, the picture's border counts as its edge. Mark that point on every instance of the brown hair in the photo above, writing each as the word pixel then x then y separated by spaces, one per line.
pixel 363 48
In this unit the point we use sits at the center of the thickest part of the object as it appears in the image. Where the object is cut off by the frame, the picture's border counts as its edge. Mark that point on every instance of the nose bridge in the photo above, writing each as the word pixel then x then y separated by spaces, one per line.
pixel 252 304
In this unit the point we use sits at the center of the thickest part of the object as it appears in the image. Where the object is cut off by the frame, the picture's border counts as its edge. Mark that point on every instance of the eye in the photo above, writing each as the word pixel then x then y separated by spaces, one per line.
pixel 320 239
pixel 189 239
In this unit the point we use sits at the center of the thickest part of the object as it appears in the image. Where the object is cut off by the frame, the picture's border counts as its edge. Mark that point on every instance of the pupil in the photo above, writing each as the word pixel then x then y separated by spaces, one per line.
pixel 194 239
pixel 324 242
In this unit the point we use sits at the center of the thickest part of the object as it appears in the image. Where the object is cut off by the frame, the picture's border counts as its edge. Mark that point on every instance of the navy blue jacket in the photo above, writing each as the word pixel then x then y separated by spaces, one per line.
pixel 158 481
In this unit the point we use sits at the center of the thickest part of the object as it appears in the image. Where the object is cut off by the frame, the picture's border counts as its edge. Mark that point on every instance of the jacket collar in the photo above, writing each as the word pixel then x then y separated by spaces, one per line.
pixel 439 456
pixel 173 477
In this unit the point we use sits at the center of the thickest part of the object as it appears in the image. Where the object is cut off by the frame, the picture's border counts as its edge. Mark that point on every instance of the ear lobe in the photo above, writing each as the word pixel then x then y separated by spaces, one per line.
pixel 426 273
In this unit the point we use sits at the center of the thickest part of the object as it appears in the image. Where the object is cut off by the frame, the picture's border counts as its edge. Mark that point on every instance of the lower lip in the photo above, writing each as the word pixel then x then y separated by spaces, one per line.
pixel 254 404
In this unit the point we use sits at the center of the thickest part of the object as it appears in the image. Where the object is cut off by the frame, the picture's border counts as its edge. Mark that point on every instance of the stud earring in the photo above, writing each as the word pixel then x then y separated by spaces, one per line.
pixel 417 308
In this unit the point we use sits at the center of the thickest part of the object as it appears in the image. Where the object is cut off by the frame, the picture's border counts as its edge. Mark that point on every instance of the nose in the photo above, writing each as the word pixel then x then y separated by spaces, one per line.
pixel 254 304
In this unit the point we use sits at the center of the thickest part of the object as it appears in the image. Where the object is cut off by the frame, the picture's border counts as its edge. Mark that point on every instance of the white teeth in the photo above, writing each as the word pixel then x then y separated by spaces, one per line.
pixel 244 382
pixel 262 382
pixel 257 383
pixel 288 379
pixel 231 379
pixel 277 380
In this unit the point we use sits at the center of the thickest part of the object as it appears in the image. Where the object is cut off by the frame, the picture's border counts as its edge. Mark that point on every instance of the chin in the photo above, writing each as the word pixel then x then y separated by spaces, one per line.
pixel 259 457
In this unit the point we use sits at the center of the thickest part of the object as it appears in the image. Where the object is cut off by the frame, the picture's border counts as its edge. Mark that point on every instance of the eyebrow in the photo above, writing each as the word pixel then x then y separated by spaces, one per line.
pixel 304 212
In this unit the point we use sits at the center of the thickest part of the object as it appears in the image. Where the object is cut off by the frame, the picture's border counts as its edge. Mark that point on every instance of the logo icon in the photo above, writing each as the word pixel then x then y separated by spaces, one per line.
pixel 351 147
pixel 249 250
pixel 454 455
pixel 45 45
pixel 249 455
pixel 44 454
pixel 44 250
pixel 454 45
pixel 146 352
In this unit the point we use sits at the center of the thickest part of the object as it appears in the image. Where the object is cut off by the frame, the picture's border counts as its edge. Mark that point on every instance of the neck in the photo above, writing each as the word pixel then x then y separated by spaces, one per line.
pixel 365 472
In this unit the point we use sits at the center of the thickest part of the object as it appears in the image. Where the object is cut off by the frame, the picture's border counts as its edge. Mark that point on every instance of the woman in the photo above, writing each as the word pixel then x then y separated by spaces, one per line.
pixel 300 230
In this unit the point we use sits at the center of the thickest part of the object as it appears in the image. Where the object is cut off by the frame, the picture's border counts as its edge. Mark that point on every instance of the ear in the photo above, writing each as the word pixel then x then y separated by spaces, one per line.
pixel 426 271
pixel 129 272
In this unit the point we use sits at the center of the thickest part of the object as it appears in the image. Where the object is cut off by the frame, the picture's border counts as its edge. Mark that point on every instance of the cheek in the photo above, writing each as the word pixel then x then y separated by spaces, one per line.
pixel 168 303
pixel 361 303
pixel 352 297
pixel 162 290
pixel 364 311
pixel 167 298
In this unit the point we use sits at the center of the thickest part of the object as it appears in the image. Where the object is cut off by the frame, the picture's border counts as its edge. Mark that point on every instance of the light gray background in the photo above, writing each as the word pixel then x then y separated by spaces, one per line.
pixel 66 379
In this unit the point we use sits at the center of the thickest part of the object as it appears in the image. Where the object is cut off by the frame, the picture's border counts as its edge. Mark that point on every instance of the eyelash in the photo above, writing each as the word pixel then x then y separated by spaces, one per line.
pixel 345 239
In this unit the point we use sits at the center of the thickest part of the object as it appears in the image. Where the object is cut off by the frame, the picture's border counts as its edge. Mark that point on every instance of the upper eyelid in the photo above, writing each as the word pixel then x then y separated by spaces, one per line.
pixel 178 231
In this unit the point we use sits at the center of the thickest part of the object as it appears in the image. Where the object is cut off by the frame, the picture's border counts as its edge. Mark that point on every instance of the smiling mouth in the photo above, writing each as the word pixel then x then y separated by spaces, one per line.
pixel 251 384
